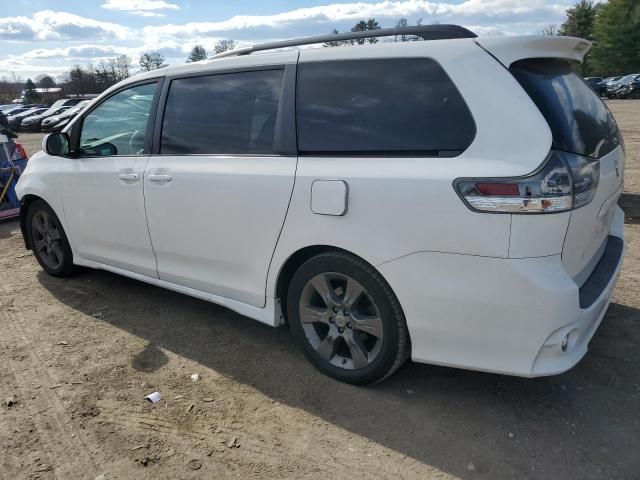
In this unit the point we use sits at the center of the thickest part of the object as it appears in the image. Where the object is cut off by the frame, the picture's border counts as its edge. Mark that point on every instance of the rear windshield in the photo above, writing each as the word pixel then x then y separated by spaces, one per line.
pixel 580 122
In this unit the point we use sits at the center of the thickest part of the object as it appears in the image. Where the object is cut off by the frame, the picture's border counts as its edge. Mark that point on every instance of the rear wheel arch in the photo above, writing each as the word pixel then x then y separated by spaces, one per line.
pixel 297 259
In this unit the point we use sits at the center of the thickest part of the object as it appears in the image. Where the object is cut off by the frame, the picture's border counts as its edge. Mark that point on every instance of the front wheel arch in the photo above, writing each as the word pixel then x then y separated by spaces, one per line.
pixel 25 204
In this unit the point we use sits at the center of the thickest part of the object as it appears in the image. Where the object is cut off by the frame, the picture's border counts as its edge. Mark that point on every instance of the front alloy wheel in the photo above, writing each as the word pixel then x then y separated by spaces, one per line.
pixel 48 240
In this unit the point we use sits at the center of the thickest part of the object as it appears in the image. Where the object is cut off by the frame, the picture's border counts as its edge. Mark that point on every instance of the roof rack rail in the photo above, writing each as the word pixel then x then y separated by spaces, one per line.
pixel 426 32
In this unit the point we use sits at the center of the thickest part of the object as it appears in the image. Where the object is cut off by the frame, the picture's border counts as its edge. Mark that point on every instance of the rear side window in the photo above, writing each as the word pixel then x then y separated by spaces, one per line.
pixel 404 106
pixel 580 122
pixel 233 113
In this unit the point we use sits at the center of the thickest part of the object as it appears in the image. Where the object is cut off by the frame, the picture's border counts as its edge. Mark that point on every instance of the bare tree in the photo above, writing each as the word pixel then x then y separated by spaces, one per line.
pixel 151 61
pixel 549 30
pixel 334 43
pixel 224 45
pixel 402 23
pixel 123 66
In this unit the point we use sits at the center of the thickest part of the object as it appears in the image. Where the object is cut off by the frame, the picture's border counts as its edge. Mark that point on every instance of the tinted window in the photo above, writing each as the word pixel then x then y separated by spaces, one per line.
pixel 232 113
pixel 403 106
pixel 580 122
pixel 118 125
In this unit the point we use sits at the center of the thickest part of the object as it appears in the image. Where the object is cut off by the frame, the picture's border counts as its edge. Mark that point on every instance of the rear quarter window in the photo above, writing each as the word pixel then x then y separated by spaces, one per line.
pixel 579 120
pixel 406 106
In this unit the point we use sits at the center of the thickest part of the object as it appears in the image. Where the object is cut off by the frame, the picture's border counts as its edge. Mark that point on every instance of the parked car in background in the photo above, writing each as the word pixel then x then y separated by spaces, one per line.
pixel 610 80
pixel 496 245
pixel 630 90
pixel 33 122
pixel 55 123
pixel 597 84
pixel 615 87
pixel 19 109
pixel 15 121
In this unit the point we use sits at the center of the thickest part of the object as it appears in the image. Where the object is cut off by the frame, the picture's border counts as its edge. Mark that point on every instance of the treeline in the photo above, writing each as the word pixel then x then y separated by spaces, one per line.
pixel 614 29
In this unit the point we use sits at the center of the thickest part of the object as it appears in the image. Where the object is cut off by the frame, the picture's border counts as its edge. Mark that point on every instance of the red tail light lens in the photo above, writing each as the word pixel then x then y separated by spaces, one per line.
pixel 565 181
pixel 19 153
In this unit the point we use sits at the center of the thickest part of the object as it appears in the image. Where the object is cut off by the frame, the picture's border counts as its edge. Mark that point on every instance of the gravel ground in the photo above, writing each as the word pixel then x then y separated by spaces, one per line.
pixel 78 357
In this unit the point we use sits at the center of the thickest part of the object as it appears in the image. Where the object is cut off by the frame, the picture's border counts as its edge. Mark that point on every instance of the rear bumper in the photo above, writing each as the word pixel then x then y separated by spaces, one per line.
pixel 502 315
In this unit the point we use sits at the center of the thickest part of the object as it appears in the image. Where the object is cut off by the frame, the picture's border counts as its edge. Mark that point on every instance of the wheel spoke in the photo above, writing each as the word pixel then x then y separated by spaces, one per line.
pixel 371 325
pixel 39 227
pixel 56 250
pixel 358 354
pixel 45 221
pixel 353 292
pixel 327 348
pixel 311 314
pixel 322 285
pixel 40 245
pixel 51 258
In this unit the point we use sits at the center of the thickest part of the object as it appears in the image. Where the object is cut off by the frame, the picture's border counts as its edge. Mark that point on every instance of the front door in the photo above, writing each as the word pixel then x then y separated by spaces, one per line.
pixel 218 191
pixel 102 188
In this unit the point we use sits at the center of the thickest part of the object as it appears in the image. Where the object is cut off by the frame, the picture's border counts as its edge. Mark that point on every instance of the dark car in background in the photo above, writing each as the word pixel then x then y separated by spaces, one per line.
pixel 56 123
pixel 15 109
pixel 15 120
pixel 597 85
pixel 33 123
pixel 615 88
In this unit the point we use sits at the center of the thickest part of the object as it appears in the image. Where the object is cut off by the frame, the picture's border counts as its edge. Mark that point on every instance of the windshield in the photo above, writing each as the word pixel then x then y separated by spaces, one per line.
pixel 580 122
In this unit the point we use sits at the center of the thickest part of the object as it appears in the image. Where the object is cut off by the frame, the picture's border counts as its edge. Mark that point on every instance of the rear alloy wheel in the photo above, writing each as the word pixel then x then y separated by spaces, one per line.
pixel 346 318
pixel 48 240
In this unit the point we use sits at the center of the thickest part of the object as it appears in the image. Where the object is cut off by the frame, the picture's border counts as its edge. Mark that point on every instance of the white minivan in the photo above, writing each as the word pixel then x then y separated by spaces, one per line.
pixel 452 200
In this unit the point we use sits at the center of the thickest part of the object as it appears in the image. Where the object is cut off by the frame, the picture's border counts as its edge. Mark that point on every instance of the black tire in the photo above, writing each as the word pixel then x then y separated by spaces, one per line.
pixel 387 353
pixel 47 246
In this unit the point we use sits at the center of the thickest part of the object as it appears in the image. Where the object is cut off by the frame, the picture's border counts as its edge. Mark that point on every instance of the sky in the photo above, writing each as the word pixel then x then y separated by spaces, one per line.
pixel 50 36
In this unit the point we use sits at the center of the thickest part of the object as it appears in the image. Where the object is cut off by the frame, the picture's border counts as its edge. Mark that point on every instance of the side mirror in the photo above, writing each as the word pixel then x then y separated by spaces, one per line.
pixel 56 144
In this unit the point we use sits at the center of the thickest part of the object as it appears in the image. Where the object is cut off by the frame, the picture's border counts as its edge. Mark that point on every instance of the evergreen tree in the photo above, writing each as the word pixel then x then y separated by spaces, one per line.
pixel 580 22
pixel 363 26
pixel 617 30
pixel 197 53
pixel 30 93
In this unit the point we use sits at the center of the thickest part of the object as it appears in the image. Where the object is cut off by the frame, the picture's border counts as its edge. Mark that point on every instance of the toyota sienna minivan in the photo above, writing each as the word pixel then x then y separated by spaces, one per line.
pixel 452 200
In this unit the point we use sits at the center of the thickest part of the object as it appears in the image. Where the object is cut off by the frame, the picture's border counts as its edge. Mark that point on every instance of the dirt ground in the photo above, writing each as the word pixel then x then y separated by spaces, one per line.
pixel 78 357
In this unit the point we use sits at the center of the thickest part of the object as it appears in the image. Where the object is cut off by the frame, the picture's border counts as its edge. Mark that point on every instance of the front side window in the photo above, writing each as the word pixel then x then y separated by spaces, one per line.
pixel 231 113
pixel 402 106
pixel 119 124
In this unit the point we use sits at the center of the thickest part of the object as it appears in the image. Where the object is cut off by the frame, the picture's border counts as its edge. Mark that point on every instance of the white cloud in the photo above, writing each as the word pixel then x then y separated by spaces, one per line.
pixel 50 25
pixel 483 13
pixel 144 13
pixel 136 6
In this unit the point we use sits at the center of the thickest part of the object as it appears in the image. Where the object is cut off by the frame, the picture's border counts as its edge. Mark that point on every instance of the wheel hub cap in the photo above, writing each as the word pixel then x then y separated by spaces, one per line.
pixel 341 321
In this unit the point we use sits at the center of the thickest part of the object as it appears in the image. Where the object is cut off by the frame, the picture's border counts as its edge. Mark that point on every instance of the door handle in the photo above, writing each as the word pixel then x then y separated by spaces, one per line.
pixel 159 177
pixel 129 176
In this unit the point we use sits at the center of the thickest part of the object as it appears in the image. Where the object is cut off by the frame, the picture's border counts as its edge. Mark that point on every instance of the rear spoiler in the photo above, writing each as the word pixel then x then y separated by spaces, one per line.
pixel 511 49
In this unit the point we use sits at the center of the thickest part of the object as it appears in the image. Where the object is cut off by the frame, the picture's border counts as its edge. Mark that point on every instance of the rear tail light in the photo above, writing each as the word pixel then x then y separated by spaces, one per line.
pixel 565 181
pixel 19 153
